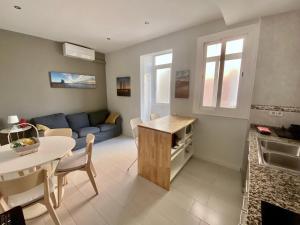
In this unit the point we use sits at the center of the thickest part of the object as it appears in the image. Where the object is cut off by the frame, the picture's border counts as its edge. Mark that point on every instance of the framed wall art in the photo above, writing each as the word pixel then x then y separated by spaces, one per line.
pixel 123 86
pixel 182 84
pixel 71 80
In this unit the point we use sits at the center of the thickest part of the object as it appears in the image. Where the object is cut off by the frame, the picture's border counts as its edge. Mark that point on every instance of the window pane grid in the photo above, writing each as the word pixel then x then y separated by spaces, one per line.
pixel 233 56
pixel 213 50
pixel 209 83
pixel 213 59
pixel 234 46
pixel 163 59
pixel 230 83
pixel 221 84
pixel 163 77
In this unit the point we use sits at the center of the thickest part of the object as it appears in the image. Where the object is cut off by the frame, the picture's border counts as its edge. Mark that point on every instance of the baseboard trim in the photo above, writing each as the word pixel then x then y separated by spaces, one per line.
pixel 218 162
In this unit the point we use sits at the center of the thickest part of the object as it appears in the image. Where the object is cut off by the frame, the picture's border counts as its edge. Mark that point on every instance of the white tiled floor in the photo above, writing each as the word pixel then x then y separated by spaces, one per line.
pixel 202 193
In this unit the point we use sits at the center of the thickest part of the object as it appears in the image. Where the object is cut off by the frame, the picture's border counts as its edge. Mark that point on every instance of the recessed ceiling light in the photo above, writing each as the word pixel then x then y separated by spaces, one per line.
pixel 17 7
pixel 147 22
pixel 108 38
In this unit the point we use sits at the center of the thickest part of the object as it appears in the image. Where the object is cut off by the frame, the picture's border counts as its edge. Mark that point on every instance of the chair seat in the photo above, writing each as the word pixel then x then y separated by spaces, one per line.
pixel 26 198
pixel 74 162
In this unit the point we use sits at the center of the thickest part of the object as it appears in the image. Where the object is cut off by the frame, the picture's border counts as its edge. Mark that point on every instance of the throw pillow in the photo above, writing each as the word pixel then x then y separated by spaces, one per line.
pixel 111 119
pixel 42 127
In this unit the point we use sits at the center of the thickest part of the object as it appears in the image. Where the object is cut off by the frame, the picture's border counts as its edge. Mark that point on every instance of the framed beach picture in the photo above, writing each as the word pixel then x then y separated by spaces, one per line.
pixel 123 86
pixel 71 80
pixel 182 84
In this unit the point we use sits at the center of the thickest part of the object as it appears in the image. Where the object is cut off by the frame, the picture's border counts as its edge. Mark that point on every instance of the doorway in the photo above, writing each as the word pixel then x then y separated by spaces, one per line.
pixel 156 70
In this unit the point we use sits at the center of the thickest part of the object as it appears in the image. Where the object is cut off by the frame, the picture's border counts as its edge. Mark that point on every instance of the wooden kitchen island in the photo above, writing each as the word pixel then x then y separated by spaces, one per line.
pixel 165 146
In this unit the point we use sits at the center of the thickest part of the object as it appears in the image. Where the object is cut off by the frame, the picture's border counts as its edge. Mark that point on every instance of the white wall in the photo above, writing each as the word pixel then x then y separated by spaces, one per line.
pixel 277 79
pixel 217 139
pixel 278 64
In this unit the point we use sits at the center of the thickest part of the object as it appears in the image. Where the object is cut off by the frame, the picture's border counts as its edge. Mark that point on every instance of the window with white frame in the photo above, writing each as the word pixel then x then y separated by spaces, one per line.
pixel 225 72
pixel 162 71
pixel 223 63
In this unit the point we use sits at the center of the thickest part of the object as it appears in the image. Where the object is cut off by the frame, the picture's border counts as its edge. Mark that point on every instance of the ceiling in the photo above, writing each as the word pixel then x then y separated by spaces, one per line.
pixel 91 22
pixel 236 11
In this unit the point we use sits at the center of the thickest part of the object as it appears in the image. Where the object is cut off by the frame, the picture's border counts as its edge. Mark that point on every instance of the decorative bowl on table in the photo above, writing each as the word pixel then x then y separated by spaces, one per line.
pixel 25 146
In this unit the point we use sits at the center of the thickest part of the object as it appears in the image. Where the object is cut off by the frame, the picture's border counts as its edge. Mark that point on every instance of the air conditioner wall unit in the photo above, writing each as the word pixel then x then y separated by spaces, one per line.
pixel 76 51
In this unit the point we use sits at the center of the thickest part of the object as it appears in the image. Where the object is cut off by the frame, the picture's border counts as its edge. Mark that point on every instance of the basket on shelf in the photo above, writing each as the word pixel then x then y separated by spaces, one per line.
pixel 24 146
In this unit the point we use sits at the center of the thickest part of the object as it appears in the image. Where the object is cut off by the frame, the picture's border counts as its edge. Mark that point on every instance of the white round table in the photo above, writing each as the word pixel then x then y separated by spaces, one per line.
pixel 50 149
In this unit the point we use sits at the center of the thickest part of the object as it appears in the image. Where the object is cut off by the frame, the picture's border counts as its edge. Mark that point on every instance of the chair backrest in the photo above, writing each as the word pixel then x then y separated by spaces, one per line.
pixel 90 139
pixel 24 183
pixel 66 132
pixel 154 116
pixel 134 127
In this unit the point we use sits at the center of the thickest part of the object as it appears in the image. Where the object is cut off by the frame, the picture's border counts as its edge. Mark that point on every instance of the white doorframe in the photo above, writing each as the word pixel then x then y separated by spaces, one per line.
pixel 148 78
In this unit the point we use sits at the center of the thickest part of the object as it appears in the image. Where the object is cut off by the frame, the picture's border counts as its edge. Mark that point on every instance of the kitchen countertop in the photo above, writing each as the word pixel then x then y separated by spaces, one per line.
pixel 277 186
pixel 168 124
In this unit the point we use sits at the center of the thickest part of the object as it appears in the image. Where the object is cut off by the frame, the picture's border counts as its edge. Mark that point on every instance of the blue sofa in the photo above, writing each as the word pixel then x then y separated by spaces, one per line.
pixel 82 124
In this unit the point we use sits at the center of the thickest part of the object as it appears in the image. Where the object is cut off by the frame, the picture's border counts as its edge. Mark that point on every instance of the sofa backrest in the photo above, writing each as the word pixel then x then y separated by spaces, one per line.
pixel 53 121
pixel 78 120
pixel 98 117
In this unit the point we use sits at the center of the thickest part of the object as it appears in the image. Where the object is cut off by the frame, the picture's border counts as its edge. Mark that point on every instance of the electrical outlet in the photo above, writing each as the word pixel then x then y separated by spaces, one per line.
pixel 276 113
pixel 279 113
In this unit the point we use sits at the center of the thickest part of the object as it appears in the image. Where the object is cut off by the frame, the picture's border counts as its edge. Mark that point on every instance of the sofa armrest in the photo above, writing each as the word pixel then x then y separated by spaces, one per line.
pixel 119 121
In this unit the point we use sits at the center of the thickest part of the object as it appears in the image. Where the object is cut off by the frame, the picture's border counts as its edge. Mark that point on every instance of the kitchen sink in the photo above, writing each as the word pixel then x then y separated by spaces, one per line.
pixel 288 162
pixel 279 147
pixel 279 154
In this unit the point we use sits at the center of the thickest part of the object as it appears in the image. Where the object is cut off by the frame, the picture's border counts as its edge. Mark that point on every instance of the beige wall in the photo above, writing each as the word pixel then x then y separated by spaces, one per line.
pixel 277 80
pixel 25 62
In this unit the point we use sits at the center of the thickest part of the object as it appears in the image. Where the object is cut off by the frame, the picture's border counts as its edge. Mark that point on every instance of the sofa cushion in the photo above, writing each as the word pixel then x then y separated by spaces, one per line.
pixel 74 135
pixel 98 117
pixel 78 120
pixel 82 132
pixel 106 127
pixel 52 121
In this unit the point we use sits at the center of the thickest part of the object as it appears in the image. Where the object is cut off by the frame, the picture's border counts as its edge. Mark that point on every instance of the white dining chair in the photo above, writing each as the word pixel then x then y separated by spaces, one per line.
pixel 78 161
pixel 27 190
pixel 66 132
pixel 134 128
pixel 154 116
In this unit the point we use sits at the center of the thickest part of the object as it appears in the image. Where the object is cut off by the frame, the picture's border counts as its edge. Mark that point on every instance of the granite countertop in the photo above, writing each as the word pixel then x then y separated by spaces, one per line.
pixel 273 185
